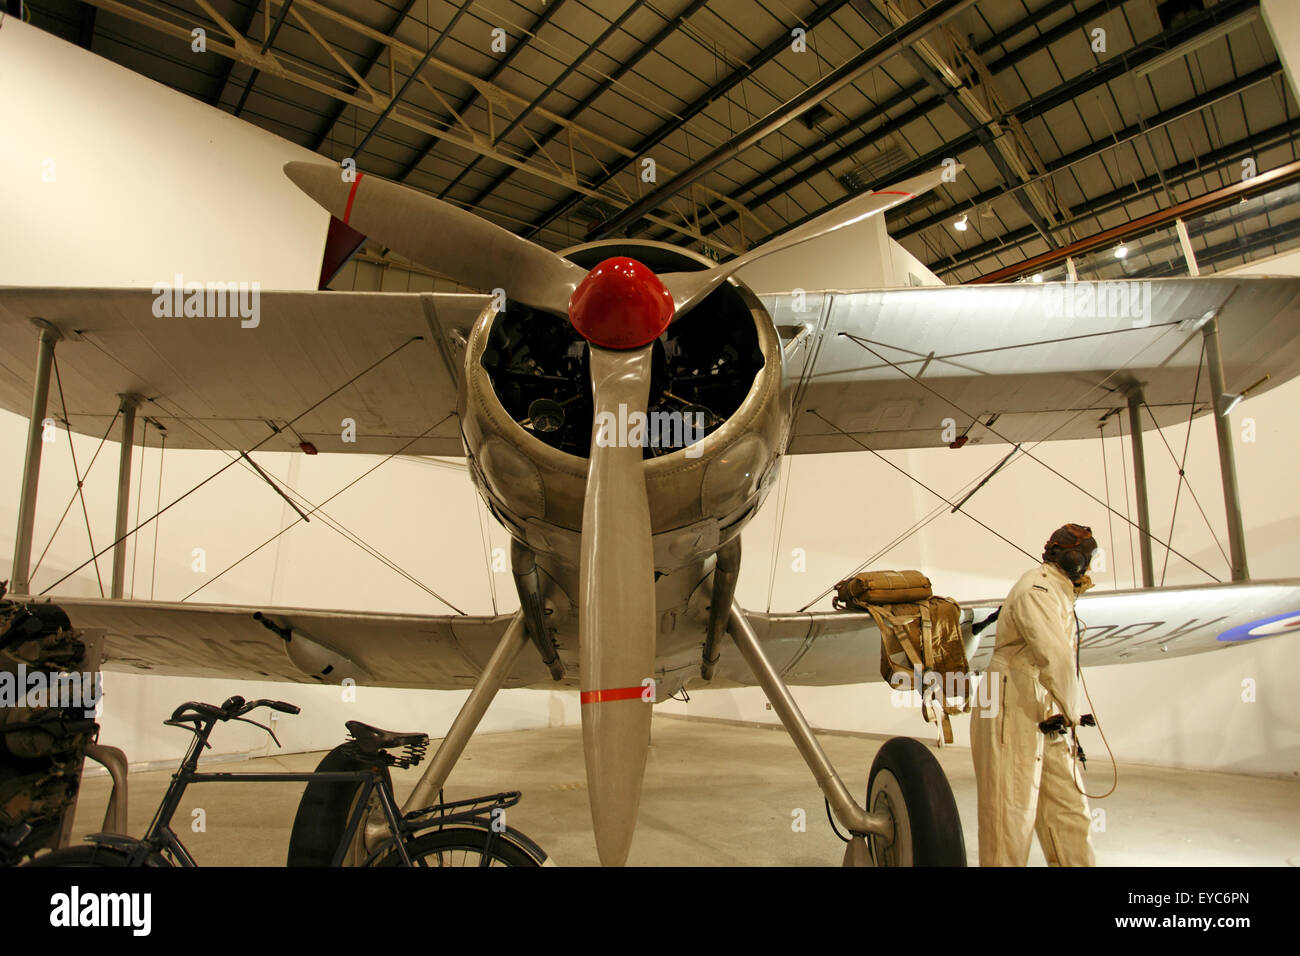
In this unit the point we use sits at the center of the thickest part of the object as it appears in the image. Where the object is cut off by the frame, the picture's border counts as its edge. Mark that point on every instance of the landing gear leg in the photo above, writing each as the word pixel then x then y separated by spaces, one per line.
pixel 462 728
pixel 898 828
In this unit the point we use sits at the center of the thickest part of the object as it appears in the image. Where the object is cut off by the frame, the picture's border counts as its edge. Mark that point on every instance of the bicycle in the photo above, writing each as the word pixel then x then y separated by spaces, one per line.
pixel 430 836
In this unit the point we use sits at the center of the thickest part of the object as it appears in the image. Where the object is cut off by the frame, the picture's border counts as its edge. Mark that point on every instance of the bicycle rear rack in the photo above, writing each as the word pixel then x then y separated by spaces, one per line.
pixel 460 811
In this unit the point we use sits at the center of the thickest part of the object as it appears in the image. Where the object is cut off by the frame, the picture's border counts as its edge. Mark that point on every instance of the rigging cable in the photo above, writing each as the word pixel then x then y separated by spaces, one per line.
pixel 1084 397
pixel 487 549
pixel 989 428
pixel 924 485
pixel 184 417
pixel 78 493
pixel 317 508
pixel 780 528
pixel 226 466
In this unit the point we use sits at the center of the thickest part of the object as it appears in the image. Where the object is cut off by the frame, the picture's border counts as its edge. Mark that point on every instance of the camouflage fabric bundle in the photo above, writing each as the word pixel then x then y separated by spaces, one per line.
pixel 41 748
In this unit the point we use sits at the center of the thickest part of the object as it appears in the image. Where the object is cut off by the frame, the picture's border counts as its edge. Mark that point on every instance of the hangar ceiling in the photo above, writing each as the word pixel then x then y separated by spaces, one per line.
pixel 1064 131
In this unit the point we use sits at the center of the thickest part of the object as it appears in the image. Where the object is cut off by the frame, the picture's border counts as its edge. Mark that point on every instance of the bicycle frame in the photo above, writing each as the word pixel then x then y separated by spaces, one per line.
pixel 160 836
pixel 475 812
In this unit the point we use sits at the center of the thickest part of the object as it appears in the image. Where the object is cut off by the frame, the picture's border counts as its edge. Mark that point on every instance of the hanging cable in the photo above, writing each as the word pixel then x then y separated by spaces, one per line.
pixel 1092 708
pixel 76 492
pixel 332 523
pixel 218 442
pixel 1081 401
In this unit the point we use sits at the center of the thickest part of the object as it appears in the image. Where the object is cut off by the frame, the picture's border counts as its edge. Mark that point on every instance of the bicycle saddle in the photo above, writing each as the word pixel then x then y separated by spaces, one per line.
pixel 371 739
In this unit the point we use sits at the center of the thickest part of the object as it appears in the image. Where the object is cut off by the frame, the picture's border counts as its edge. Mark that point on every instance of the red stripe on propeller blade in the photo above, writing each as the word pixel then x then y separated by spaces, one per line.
pixel 618 693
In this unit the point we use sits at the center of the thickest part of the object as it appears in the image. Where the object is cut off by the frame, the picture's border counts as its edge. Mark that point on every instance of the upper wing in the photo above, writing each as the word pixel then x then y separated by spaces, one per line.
pixel 843 647
pixel 1024 361
pixel 218 640
pixel 228 383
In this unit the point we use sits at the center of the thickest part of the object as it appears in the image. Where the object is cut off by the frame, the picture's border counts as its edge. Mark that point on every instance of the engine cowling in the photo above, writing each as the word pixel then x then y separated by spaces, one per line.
pixel 526 412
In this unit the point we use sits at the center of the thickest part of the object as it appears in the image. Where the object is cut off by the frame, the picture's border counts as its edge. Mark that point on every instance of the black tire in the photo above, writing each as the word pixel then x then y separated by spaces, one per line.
pixel 88 855
pixel 324 811
pixel 908 783
pixel 461 846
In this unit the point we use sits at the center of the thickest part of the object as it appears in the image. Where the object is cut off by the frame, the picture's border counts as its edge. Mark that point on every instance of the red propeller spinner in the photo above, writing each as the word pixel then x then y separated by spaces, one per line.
pixel 620 305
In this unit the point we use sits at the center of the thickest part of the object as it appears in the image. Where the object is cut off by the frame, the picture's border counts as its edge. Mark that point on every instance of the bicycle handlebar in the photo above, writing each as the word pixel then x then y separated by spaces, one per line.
pixel 232 708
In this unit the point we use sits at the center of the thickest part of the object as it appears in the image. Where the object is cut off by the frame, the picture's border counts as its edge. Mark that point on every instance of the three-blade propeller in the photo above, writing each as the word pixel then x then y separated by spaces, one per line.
pixel 620 307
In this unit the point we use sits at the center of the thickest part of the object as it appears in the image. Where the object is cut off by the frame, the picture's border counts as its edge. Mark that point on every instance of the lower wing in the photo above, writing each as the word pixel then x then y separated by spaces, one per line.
pixel 814 649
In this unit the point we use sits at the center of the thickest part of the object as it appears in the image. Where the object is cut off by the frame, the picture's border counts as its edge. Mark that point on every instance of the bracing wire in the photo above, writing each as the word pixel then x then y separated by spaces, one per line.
pixel 233 461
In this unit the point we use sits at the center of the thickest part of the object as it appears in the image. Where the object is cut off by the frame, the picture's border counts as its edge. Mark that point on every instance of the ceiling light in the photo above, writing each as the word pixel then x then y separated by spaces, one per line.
pixel 1038 277
pixel 960 225
pixel 1121 251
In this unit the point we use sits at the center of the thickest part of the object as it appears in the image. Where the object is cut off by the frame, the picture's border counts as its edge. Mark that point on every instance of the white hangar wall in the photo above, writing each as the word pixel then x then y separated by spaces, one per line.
pixel 839 509
pixel 147 182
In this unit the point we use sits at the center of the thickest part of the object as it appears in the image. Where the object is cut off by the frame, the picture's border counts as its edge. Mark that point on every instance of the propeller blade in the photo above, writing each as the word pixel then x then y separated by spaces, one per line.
pixel 616 630
pixel 443 237
pixel 688 289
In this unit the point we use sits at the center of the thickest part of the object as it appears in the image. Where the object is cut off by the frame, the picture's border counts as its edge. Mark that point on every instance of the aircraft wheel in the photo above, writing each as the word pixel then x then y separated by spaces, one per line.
pixel 909 786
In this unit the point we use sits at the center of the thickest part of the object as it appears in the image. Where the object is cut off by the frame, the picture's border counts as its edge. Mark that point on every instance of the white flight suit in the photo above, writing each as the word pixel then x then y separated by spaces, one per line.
pixel 1025 779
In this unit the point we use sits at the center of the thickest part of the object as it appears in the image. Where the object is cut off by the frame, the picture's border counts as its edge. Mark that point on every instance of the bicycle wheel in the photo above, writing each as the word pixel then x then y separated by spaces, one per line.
pixel 89 855
pixel 461 846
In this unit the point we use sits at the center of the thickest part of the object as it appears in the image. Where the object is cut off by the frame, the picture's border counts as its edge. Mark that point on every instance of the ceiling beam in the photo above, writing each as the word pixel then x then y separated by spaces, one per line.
pixel 415 74
pixel 220 94
pixel 1205 203
pixel 681 117
pixel 718 218
pixel 465 104
pixel 869 59
pixel 372 58
pixel 266 45
pixel 537 100
pixel 86 27
pixel 669 27
pixel 1111 69
pixel 292 70
pixel 951 90
pixel 1143 188
pixel 1180 111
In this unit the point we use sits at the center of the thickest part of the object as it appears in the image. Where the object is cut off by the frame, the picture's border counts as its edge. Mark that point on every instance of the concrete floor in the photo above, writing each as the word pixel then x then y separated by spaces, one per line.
pixel 725 794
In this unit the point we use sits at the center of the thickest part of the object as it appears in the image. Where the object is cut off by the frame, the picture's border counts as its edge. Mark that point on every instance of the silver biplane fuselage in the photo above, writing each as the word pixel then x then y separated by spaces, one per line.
pixel 700 497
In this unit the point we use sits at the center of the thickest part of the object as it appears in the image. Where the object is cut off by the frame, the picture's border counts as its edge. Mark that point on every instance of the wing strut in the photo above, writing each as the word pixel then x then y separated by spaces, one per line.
pixel 1135 403
pixel 122 532
pixel 20 582
pixel 1223 403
